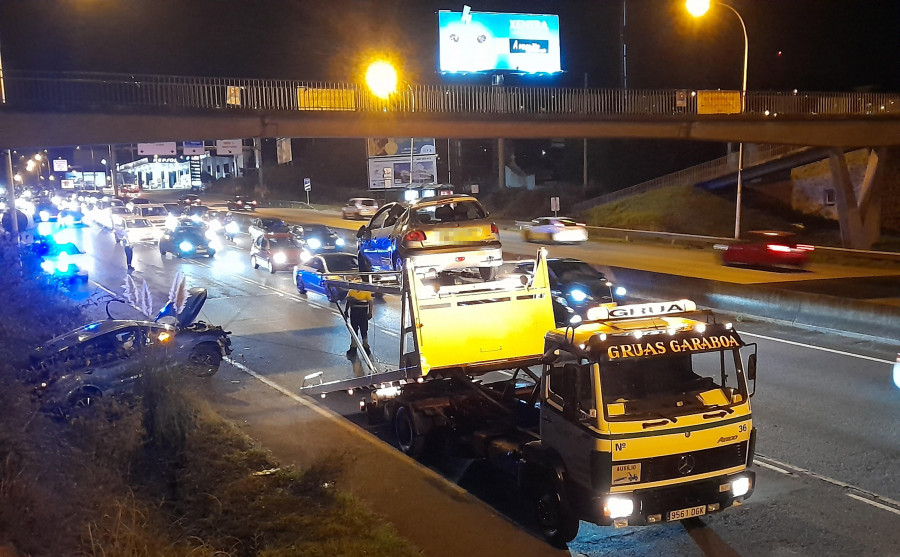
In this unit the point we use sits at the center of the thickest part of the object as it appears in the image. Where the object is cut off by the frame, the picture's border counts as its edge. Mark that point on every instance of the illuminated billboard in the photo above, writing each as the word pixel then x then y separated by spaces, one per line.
pixel 486 41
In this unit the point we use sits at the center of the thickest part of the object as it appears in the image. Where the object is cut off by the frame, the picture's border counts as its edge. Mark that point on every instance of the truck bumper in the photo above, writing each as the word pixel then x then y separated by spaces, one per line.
pixel 671 503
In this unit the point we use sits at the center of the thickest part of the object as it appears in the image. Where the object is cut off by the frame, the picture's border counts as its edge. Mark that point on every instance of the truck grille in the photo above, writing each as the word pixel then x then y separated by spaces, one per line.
pixel 691 463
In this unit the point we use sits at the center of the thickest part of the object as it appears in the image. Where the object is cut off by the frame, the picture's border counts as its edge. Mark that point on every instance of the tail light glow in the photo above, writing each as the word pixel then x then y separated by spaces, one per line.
pixel 805 247
pixel 414 236
pixel 494 229
pixel 778 247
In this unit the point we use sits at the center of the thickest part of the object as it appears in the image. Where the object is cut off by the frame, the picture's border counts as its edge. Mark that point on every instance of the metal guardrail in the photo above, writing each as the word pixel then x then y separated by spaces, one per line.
pixel 105 91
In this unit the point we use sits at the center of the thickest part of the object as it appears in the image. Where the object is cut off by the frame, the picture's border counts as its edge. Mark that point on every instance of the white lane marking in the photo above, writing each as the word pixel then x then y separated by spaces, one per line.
pixel 346 425
pixel 839 483
pixel 823 349
pixel 770 467
pixel 874 503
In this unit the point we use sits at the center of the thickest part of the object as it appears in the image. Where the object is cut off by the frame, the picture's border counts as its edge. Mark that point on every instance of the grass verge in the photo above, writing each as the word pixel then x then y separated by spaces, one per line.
pixel 154 473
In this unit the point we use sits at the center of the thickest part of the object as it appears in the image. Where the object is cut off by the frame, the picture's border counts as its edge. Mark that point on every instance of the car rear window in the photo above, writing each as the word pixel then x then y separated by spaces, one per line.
pixel 368 202
pixel 450 212
pixel 342 262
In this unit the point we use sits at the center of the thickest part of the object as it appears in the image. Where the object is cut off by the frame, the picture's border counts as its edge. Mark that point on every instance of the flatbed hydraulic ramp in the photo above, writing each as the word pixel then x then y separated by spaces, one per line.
pixel 451 326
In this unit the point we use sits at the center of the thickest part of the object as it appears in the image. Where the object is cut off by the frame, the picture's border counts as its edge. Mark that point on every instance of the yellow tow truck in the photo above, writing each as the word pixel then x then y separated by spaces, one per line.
pixel 639 415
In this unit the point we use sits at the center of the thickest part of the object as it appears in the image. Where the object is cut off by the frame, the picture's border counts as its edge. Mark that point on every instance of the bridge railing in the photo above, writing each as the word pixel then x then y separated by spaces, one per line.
pixel 104 91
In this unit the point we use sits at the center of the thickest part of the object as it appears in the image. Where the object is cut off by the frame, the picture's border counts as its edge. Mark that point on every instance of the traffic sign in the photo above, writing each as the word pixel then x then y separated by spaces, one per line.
pixel 307 185
pixel 60 165
pixel 554 204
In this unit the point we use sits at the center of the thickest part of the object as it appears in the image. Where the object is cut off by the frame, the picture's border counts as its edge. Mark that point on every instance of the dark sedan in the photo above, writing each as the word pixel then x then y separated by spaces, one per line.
pixel 317 237
pixel 312 275
pixel 277 252
pixel 103 358
pixel 577 287
pixel 242 203
pixel 186 241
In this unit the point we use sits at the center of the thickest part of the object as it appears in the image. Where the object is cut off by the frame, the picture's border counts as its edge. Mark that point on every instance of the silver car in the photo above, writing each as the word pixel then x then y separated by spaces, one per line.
pixel 359 208
pixel 435 233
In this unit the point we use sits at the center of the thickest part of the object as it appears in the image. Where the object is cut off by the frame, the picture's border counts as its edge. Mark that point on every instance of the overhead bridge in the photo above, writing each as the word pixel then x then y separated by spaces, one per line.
pixel 44 110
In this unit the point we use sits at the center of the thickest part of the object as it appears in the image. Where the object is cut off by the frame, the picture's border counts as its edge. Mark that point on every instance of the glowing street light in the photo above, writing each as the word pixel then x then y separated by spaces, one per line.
pixel 698 8
pixel 381 77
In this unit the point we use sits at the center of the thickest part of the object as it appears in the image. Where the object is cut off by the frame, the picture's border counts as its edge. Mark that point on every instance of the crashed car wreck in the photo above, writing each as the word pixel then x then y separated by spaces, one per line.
pixel 107 357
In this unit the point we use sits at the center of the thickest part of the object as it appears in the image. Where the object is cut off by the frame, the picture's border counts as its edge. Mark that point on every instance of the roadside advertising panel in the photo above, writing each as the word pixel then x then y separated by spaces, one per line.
pixel 309 98
pixel 486 41
pixel 718 102
pixel 391 146
pixel 393 172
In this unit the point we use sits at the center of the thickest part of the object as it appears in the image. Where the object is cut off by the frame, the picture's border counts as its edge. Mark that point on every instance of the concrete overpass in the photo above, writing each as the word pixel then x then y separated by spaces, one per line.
pixel 44 110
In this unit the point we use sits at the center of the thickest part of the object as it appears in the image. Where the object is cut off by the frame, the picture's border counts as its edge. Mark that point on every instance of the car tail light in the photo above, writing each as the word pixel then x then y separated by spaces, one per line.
pixel 805 247
pixel 778 248
pixel 460 259
pixel 414 236
pixel 494 229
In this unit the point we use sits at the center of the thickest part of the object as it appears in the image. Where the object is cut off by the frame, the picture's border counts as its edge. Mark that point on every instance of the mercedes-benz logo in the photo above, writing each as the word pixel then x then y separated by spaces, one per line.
pixel 686 464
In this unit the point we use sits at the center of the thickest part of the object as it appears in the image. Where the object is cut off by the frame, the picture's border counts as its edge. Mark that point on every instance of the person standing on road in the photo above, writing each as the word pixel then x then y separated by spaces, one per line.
pixel 360 306
pixel 122 238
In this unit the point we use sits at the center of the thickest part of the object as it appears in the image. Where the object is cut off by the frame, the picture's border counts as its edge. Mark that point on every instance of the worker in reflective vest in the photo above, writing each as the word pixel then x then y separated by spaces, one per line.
pixel 360 307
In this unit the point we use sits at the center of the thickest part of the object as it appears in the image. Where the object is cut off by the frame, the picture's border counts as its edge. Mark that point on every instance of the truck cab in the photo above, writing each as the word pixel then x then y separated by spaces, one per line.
pixel 645 418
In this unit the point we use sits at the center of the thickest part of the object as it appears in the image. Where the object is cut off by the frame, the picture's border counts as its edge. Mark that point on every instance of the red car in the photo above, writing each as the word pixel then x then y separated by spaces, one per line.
pixel 766 248
pixel 277 251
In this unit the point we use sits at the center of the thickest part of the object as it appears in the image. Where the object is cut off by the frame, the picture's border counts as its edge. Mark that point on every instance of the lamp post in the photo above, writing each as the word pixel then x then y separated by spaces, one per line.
pixel 381 78
pixel 698 8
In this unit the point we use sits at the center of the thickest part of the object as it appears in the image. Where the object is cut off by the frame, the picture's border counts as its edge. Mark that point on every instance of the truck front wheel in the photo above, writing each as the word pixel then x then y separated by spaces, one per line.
pixel 557 522
pixel 408 439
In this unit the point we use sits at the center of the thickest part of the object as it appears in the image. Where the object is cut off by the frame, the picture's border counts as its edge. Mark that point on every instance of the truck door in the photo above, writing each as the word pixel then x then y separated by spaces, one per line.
pixel 566 415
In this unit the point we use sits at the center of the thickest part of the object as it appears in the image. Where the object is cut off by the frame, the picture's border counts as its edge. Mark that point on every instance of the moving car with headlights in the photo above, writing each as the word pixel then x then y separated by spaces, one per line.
pixel 188 240
pixel 312 275
pixel 190 199
pixel 242 203
pixel 766 249
pixel 435 233
pixel 555 230
pixel 137 230
pixel 359 208
pixel 70 217
pixel 110 216
pixel 317 237
pixel 577 287
pixel 277 251
pixel 639 416
pixel 156 213
pixel 106 357
pixel 266 225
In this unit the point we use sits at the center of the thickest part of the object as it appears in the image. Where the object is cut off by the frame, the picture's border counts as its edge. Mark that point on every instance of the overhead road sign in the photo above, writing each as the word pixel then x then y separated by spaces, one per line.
pixel 166 148
pixel 193 148
pixel 229 146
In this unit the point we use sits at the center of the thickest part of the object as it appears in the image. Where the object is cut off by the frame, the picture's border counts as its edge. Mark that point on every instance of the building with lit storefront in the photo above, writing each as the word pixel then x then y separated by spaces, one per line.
pixel 183 172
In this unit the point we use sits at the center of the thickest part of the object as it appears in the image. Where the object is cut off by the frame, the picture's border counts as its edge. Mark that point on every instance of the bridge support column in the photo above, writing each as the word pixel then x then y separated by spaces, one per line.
pixel 501 163
pixel 852 233
pixel 257 157
pixel 113 161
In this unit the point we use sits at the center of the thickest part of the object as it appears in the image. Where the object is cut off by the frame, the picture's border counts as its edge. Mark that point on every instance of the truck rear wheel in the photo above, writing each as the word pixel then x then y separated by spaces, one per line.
pixel 408 439
pixel 558 524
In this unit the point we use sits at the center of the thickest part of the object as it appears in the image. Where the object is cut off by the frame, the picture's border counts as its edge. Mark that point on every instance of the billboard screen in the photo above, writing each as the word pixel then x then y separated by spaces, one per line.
pixel 394 172
pixel 486 41
pixel 390 146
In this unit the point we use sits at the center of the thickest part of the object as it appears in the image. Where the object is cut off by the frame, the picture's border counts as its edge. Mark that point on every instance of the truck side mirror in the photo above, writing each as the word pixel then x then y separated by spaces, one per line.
pixel 751 367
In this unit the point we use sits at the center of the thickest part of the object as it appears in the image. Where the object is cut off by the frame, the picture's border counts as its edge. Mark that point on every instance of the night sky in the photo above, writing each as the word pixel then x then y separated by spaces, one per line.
pixel 811 45
pixel 808 45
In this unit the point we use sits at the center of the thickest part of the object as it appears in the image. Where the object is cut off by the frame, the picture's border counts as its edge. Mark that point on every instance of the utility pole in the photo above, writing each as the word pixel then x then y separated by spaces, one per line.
pixel 622 44
pixel 584 184
pixel 13 210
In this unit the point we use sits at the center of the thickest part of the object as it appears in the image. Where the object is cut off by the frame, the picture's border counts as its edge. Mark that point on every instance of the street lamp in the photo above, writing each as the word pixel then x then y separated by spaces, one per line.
pixel 698 8
pixel 381 77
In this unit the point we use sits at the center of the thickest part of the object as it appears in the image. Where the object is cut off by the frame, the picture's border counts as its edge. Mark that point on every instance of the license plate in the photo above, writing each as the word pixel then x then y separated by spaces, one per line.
pixel 687 513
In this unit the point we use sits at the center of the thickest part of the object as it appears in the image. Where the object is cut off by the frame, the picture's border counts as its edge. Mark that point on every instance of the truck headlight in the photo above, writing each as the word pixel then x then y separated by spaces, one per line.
pixel 618 507
pixel 740 486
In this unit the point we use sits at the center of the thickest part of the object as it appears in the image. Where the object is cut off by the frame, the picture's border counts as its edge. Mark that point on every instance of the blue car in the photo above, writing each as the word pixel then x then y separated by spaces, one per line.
pixel 310 276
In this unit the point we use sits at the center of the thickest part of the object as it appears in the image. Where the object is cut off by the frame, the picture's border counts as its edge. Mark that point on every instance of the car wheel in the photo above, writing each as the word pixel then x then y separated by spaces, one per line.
pixel 205 359
pixel 85 397
pixel 272 268
pixel 488 273
pixel 557 522
pixel 301 288
pixel 254 262
pixel 211 253
pixel 526 235
pixel 162 251
pixel 408 439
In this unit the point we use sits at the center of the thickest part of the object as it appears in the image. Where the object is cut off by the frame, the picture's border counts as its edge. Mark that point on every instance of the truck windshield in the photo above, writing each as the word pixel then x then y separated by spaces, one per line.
pixel 670 385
